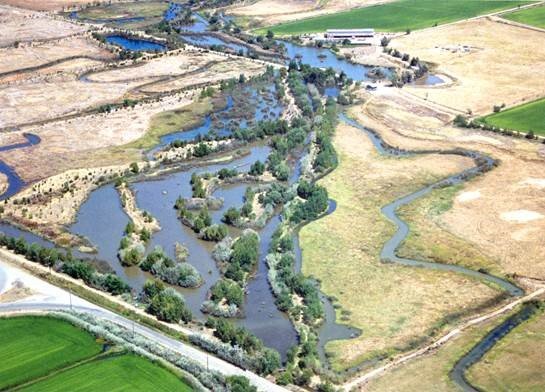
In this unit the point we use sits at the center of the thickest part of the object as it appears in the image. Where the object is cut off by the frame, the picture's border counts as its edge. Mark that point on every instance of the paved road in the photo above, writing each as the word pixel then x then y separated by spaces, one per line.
pixel 54 298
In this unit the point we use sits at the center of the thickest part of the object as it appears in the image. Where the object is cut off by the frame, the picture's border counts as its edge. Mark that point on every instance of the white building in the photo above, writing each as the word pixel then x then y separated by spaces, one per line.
pixel 355 36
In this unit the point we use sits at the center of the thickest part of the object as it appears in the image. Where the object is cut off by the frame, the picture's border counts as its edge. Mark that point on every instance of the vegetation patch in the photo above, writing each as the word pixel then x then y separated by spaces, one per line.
pixel 429 240
pixel 529 117
pixel 533 16
pixel 402 15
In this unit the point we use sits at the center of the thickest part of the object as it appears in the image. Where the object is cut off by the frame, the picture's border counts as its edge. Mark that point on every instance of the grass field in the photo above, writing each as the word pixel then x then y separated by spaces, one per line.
pixel 118 373
pixel 530 116
pixel 534 16
pixel 516 362
pixel 43 354
pixel 32 347
pixel 397 16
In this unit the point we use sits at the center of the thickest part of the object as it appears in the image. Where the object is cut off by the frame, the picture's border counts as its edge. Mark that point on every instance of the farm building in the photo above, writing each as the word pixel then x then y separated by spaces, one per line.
pixel 355 36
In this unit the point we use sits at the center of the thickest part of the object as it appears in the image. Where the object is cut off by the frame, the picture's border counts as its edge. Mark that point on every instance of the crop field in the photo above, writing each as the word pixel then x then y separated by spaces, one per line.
pixel 32 347
pixel 397 16
pixel 527 117
pixel 395 306
pixel 118 373
pixel 534 16
pixel 43 354
pixel 522 347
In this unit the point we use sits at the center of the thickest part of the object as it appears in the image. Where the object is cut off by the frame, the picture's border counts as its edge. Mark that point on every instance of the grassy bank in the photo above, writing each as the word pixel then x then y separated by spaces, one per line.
pixel 396 307
pixel 525 118
pixel 431 372
pixel 534 16
pixel 397 16
pixel 429 241
pixel 516 362
pixel 32 347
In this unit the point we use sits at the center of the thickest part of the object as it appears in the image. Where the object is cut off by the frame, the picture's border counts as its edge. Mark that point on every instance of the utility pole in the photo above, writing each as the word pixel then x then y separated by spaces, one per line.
pixel 207 369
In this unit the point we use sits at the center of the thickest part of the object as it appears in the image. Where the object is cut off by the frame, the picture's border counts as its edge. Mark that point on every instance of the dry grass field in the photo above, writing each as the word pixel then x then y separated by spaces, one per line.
pixel 396 307
pixel 17 25
pixel 47 5
pixel 54 97
pixel 40 54
pixel 270 12
pixel 493 63
pixel 502 212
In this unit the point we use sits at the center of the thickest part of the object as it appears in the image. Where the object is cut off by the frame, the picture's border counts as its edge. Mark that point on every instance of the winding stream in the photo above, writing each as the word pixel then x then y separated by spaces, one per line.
pixel 388 252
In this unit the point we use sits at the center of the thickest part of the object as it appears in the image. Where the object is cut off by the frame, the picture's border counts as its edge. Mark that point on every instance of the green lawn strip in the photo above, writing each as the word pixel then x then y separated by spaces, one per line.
pixel 126 372
pixel 526 117
pixel 533 16
pixel 397 16
pixel 31 347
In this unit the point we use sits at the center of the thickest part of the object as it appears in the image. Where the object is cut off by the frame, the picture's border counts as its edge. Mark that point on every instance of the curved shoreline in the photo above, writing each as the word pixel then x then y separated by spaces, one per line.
pixel 15 183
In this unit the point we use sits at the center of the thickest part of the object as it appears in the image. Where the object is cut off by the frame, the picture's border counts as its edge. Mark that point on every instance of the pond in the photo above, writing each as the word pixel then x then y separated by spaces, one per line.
pixel 325 58
pixel 134 44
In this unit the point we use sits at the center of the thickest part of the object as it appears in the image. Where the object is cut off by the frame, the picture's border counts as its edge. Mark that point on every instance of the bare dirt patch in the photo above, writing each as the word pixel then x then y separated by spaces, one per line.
pixel 494 63
pixel 17 25
pixel 269 12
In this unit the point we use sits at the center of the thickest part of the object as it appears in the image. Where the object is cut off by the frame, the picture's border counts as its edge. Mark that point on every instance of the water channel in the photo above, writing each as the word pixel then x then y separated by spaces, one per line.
pixel 15 183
